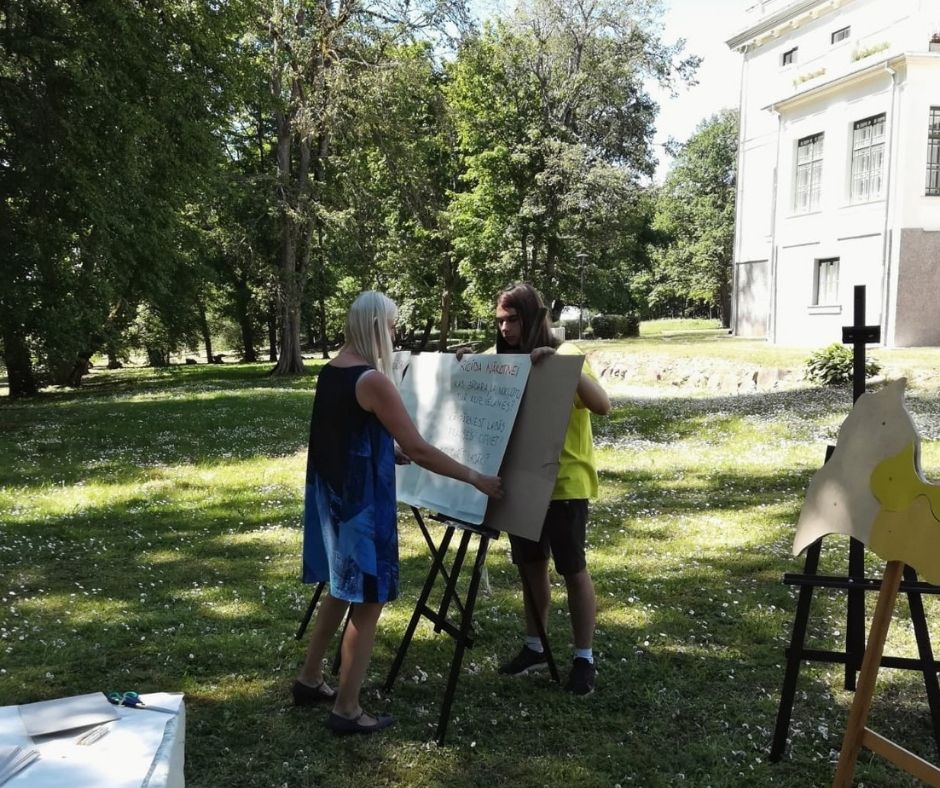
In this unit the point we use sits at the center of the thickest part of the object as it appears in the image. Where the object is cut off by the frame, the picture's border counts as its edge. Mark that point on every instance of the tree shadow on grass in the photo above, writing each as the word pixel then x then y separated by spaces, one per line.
pixel 119 440
pixel 141 381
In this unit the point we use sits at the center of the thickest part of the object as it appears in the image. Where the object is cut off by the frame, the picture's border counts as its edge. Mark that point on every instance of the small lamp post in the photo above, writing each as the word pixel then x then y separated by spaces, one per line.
pixel 581 258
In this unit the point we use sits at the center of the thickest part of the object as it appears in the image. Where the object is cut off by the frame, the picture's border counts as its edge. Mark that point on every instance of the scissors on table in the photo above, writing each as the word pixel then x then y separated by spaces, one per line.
pixel 133 700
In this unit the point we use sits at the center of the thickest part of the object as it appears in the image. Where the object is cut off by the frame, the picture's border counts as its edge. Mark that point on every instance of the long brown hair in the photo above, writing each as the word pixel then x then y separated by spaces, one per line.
pixel 536 321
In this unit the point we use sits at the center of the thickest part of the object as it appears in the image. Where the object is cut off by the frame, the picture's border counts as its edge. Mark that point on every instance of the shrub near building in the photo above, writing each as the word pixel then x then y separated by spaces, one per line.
pixel 615 326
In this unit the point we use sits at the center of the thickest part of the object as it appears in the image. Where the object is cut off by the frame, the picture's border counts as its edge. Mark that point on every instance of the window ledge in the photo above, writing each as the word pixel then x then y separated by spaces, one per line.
pixel 869 201
pixel 824 309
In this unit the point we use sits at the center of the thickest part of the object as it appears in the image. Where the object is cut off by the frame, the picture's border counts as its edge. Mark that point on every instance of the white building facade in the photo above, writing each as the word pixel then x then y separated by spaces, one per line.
pixel 838 170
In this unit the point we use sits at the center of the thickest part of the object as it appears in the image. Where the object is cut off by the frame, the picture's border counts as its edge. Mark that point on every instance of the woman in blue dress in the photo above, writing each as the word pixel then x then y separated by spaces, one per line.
pixel 350 517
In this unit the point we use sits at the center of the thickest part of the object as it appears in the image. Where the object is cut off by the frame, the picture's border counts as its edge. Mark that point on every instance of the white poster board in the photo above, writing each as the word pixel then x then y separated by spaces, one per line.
pixel 466 409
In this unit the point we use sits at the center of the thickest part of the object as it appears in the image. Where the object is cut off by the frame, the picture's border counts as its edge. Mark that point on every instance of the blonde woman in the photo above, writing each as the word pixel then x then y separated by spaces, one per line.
pixel 350 522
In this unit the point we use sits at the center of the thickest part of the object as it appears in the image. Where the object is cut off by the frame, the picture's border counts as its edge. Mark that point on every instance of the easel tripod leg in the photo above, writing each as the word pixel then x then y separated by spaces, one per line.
pixel 855 614
pixel 450 587
pixel 420 607
pixel 924 650
pixel 543 635
pixel 861 705
pixel 794 654
pixel 310 608
pixel 466 625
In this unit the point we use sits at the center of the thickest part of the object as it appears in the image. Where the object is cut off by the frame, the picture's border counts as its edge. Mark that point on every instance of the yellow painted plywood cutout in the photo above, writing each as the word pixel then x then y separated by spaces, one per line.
pixel 897 481
pixel 907 528
pixel 839 498
pixel 911 536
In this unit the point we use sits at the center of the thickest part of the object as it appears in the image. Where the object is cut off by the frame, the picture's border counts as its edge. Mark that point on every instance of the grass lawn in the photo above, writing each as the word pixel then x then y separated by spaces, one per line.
pixel 149 540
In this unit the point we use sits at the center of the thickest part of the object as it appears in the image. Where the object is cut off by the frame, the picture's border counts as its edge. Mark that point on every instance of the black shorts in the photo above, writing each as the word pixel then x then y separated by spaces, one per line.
pixel 563 536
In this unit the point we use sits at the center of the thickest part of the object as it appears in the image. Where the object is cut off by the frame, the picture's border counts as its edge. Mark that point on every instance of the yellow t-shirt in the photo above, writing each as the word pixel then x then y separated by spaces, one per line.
pixel 577 473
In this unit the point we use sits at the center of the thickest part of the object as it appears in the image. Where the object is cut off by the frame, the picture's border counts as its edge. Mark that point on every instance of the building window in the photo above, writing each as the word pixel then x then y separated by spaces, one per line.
pixel 840 35
pixel 826 286
pixel 789 57
pixel 809 153
pixel 933 153
pixel 868 152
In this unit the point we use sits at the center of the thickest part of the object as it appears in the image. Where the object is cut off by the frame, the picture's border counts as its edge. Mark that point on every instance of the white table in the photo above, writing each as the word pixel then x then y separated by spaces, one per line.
pixel 143 749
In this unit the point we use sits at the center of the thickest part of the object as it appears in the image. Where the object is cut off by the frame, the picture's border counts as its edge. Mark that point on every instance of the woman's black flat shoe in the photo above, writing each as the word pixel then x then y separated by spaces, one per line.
pixel 342 726
pixel 305 695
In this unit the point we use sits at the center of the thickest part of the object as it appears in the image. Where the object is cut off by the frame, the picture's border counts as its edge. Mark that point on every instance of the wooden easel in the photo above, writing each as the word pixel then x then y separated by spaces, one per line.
pixel 856 584
pixel 856 734
pixel 462 630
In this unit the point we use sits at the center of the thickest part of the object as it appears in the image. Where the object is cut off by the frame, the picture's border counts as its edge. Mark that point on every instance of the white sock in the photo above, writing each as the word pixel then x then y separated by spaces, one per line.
pixel 534 643
pixel 585 653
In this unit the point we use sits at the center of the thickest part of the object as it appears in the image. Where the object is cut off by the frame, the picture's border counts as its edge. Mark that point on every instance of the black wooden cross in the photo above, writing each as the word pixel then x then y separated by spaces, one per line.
pixel 858 335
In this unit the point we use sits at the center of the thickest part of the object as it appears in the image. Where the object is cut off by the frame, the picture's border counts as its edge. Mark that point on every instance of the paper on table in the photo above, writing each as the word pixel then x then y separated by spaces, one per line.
pixel 122 759
pixel 14 759
pixel 62 714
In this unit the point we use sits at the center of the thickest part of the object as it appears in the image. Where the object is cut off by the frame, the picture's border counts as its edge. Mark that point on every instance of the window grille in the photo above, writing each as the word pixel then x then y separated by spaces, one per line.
pixel 868 149
pixel 933 153
pixel 826 286
pixel 840 35
pixel 809 153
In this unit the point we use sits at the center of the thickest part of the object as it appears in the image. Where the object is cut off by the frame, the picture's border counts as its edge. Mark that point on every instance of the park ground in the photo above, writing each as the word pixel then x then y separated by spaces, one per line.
pixel 150 541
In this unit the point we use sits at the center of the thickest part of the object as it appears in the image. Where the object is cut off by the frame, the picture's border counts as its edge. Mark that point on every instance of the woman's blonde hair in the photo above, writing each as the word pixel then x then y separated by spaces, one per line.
pixel 367 328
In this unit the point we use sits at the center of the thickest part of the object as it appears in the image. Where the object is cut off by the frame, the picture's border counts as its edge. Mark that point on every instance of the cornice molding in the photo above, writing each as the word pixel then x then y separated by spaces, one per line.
pixel 788 18
pixel 882 67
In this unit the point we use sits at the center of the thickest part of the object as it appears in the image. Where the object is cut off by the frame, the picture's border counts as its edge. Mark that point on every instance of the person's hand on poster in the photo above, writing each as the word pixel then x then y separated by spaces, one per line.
pixel 490 486
pixel 541 352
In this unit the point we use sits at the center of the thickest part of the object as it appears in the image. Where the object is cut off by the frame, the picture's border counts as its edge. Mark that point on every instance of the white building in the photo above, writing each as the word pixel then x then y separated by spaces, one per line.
pixel 838 170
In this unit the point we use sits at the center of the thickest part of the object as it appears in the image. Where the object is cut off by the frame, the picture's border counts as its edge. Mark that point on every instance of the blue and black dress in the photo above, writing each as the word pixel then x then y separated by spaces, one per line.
pixel 350 514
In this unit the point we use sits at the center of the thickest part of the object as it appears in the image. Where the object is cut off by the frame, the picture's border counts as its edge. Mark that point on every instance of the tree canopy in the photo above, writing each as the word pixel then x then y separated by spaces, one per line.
pixel 694 220
pixel 179 173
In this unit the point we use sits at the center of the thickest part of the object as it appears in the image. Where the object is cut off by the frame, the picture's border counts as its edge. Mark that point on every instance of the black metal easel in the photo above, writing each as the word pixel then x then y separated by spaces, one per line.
pixel 462 630
pixel 857 585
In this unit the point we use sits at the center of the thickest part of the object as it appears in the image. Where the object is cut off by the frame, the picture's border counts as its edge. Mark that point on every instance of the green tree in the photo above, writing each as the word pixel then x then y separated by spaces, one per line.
pixel 318 51
pixel 545 103
pixel 108 119
pixel 695 222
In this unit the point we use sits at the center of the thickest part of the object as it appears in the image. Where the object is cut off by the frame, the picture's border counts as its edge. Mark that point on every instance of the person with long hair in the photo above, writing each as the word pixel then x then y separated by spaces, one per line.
pixel 523 326
pixel 350 513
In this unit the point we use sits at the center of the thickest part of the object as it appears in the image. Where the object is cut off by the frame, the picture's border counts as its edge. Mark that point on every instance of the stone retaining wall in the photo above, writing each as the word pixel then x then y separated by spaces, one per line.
pixel 713 374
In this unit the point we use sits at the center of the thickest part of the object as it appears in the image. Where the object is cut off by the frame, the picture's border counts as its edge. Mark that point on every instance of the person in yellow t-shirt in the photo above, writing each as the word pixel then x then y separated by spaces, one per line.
pixel 523 327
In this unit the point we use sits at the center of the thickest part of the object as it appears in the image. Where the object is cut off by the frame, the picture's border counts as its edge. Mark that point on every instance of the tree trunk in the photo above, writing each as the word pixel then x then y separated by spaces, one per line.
pixel 249 354
pixel 321 300
pixel 19 365
pixel 157 357
pixel 242 302
pixel 445 318
pixel 426 335
pixel 325 341
pixel 724 304
pixel 272 329
pixel 79 369
pixel 206 334
pixel 289 360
